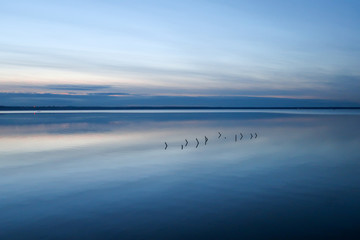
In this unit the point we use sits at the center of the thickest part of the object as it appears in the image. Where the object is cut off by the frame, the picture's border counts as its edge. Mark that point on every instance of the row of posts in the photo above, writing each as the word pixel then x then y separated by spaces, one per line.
pixel 241 136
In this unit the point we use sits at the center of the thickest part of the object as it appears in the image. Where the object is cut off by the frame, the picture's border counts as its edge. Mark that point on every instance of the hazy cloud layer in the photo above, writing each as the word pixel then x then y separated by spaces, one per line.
pixel 71 87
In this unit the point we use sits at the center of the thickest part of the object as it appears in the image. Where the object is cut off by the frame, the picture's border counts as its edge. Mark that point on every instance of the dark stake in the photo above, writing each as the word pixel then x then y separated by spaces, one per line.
pixel 182 147
pixel 197 143
pixel 241 136
pixel 206 139
pixel 219 135
pixel 186 142
pixel 251 136
pixel 255 135
pixel 166 145
pixel 235 138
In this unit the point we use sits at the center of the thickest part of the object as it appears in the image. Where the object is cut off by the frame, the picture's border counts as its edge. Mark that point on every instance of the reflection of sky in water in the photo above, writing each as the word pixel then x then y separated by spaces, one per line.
pixel 110 174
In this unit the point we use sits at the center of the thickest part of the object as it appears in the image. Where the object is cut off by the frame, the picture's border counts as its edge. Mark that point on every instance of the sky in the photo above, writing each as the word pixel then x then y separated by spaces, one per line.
pixel 157 52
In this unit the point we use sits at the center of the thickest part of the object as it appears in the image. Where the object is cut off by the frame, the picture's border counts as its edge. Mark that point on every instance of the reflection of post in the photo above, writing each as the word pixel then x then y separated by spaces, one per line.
pixel 255 135
pixel 186 142
pixel 166 145
pixel 241 136
pixel 197 143
pixel 251 136
pixel 206 139
pixel 235 138
pixel 219 134
pixel 182 147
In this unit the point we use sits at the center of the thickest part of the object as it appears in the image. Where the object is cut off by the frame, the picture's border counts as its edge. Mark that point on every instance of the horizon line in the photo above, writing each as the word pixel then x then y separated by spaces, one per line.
pixel 10 108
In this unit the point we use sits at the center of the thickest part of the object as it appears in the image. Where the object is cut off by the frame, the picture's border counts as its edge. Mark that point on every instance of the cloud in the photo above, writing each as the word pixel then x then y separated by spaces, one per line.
pixel 73 87
pixel 109 94
pixel 205 77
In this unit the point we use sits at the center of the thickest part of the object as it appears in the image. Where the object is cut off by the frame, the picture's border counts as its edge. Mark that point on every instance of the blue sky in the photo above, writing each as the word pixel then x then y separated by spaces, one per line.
pixel 306 50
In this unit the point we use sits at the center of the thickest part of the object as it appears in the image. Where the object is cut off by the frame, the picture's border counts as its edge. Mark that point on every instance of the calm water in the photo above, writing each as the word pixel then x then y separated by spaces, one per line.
pixel 107 175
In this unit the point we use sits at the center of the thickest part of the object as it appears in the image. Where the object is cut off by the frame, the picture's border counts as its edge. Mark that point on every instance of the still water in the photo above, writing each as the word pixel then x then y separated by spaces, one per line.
pixel 107 175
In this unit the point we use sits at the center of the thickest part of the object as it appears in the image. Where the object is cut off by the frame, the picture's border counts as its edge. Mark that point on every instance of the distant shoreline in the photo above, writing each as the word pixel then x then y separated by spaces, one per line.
pixel 39 108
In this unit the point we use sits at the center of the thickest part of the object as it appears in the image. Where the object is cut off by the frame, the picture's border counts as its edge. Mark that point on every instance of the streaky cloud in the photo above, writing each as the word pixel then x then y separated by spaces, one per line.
pixel 80 87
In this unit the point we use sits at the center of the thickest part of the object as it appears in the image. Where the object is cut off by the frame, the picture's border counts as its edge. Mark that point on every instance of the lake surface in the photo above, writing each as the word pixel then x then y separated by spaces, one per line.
pixel 107 175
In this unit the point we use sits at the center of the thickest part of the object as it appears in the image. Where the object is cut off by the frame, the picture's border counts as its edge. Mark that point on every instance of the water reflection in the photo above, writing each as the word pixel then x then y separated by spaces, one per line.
pixel 107 175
